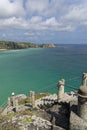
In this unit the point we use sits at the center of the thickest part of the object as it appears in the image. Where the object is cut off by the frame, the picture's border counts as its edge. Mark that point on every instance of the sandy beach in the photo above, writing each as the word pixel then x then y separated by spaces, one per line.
pixel 2 49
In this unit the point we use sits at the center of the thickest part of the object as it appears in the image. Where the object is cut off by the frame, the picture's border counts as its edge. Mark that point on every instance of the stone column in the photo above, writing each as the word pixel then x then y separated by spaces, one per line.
pixel 9 102
pixel 82 102
pixel 13 104
pixel 32 98
pixel 16 104
pixel 61 84
pixel 14 101
pixel 84 79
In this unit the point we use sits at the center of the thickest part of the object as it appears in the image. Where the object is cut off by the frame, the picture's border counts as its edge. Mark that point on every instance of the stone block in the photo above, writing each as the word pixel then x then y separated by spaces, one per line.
pixel 77 123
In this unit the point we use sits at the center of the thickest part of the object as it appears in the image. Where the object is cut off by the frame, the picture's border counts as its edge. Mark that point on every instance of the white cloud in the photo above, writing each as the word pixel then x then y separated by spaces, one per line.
pixel 35 23
pixel 43 15
pixel 10 8
pixel 13 22
pixel 36 19
pixel 77 13
pixel 57 15
pixel 36 5
pixel 51 22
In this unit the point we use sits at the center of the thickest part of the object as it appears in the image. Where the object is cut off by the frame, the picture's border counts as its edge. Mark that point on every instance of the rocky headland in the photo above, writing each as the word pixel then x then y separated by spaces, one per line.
pixel 8 45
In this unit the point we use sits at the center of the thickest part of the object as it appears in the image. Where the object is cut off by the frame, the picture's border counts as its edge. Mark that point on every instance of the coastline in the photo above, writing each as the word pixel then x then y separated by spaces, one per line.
pixel 9 45
pixel 3 49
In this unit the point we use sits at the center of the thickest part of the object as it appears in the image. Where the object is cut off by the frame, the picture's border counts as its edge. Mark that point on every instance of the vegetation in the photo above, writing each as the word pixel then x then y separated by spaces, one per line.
pixel 27 120
pixel 41 95
pixel 16 45
pixel 10 116
pixel 22 45
pixel 24 101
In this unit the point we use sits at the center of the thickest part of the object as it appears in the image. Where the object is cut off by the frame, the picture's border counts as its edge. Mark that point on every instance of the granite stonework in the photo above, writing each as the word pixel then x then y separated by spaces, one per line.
pixel 77 123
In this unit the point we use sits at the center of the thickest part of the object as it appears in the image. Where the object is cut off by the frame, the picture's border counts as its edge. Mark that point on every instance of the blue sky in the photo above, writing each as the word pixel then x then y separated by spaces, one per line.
pixel 44 21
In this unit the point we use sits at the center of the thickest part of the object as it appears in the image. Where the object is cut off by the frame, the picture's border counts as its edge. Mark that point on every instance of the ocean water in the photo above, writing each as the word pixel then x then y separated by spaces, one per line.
pixel 40 69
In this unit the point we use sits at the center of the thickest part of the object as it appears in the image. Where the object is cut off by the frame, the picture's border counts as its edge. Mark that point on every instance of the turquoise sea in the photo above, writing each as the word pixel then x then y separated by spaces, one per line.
pixel 40 69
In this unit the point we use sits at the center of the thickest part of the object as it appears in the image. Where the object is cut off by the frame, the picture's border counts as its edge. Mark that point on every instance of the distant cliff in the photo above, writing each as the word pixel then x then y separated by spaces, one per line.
pixel 48 46
pixel 22 45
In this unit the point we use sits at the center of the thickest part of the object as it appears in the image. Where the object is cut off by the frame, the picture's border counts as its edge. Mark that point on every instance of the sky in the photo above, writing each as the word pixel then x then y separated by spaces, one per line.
pixel 44 21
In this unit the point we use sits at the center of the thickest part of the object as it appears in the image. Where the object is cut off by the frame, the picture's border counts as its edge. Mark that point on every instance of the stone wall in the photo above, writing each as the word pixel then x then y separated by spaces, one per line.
pixel 76 123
